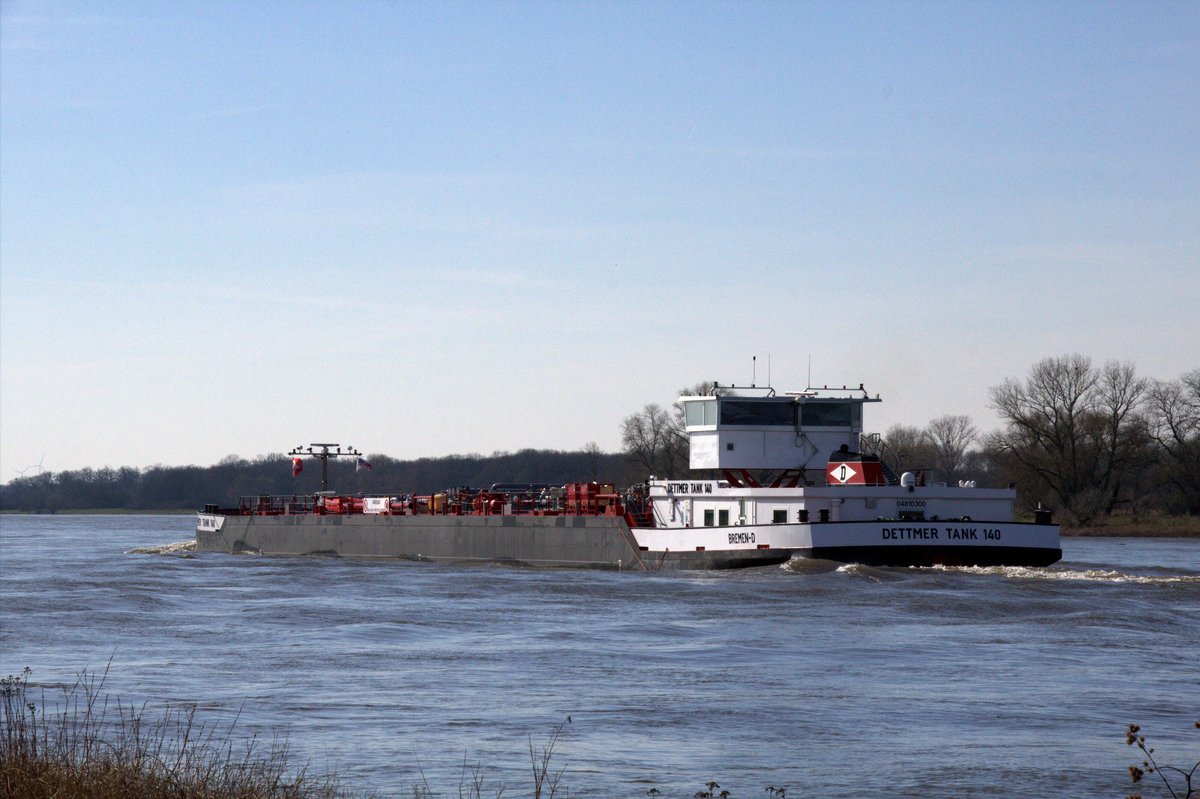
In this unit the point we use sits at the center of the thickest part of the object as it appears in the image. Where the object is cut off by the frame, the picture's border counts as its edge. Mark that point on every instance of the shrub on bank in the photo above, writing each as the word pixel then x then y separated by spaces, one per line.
pixel 1176 781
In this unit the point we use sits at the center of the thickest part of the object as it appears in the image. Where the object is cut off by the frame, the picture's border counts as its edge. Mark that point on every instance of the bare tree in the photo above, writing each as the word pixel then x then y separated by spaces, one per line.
pixel 1123 434
pixel 1075 430
pixel 908 444
pixel 657 439
pixel 652 437
pixel 950 437
pixel 1174 417
pixel 592 455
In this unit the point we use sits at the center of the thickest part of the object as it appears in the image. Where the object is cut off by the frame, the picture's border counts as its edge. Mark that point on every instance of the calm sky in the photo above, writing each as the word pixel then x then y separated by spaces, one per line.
pixel 434 228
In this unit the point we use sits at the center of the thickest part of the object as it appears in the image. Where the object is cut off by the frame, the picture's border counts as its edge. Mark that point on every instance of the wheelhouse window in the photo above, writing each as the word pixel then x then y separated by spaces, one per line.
pixel 760 413
pixel 701 412
pixel 708 518
pixel 723 517
pixel 831 414
pixel 779 517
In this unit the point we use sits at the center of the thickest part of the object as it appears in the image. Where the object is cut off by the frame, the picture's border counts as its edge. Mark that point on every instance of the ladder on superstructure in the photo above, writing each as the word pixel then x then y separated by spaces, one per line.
pixel 873 444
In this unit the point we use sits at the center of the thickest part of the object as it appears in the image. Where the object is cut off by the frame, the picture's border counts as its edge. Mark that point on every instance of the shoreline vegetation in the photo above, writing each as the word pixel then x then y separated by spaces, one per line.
pixel 89 744
pixel 1106 451
pixel 1149 526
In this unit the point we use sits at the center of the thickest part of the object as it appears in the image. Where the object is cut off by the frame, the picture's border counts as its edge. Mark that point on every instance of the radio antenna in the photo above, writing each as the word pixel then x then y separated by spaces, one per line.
pixel 753 371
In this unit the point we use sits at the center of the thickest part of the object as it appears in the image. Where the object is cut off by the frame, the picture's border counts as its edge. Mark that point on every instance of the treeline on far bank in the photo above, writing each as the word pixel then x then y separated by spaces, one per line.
pixel 192 487
pixel 1085 441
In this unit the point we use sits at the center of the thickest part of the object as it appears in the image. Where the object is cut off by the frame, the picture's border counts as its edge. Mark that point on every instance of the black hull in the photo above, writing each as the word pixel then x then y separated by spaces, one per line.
pixel 939 555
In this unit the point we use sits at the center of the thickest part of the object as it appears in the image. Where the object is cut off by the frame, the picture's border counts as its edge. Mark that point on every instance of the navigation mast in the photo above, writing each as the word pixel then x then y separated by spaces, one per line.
pixel 324 452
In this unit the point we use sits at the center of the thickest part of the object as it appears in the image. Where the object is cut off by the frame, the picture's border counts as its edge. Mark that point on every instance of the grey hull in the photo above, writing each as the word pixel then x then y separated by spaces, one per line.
pixel 596 542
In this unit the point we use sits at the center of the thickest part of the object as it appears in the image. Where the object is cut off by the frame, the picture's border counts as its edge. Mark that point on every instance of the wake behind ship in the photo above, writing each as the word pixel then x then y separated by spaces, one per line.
pixel 798 479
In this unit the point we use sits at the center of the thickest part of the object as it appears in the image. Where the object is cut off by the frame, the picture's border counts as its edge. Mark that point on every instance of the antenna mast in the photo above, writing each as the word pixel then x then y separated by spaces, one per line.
pixel 324 452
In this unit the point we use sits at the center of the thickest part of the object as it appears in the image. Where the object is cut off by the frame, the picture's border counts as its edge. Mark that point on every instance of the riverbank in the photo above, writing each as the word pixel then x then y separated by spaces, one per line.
pixel 1145 527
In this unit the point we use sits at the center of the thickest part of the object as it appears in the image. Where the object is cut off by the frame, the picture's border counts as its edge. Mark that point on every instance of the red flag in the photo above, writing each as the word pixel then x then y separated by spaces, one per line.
pixel 297 466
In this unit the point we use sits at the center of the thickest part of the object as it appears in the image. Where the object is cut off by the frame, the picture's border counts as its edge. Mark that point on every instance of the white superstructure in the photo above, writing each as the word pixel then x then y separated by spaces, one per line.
pixel 708 503
pixel 793 431
pixel 795 476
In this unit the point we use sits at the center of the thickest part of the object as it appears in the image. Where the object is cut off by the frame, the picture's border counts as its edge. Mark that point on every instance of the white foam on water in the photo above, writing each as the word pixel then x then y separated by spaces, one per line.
pixel 1089 575
pixel 800 565
pixel 857 570
pixel 178 548
pixel 875 574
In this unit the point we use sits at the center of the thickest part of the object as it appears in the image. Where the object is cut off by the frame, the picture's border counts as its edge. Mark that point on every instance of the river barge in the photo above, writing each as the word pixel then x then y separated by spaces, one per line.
pixel 792 476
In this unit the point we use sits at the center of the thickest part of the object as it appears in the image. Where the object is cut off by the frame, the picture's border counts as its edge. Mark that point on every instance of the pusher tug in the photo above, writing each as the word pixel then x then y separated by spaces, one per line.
pixel 831 493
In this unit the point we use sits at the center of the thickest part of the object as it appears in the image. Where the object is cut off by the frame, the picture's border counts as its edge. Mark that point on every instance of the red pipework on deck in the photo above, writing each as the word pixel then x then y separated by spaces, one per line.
pixel 593 499
pixel 574 499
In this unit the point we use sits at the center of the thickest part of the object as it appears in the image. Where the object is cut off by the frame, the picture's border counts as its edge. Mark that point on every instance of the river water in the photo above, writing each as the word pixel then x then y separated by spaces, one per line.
pixel 833 681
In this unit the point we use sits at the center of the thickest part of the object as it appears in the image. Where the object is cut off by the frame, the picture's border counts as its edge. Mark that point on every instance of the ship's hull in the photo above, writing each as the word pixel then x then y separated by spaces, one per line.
pixel 607 542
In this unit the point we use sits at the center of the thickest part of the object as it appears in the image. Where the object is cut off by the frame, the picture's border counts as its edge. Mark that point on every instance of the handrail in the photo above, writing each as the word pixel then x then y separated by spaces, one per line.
pixel 873 444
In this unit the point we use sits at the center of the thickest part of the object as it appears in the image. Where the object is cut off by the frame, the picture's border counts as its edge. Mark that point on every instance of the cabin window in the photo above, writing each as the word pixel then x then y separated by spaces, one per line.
pixel 831 414
pixel 723 517
pixel 779 517
pixel 708 518
pixel 700 413
pixel 751 413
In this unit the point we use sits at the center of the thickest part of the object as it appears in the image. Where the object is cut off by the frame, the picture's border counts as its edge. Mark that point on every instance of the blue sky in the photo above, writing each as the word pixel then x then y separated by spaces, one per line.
pixel 434 228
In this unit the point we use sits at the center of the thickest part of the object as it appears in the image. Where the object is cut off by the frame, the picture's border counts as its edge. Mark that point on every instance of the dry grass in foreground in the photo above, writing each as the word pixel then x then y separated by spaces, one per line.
pixel 93 748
